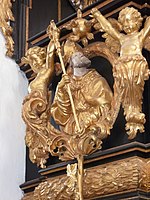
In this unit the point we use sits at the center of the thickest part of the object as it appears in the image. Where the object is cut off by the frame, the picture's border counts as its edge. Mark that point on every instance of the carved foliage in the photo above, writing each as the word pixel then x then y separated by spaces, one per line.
pixel 69 147
pixel 6 16
pixel 119 176
pixel 111 179
pixel 42 137
pixel 36 114
pixel 57 189
pixel 144 179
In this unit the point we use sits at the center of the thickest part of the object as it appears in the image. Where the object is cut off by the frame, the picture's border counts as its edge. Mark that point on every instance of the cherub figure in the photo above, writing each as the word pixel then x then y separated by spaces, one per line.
pixel 131 69
pixel 81 29
pixel 36 105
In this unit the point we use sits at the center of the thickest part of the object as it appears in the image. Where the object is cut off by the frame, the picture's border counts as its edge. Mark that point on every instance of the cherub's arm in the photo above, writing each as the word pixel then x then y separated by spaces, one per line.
pixel 105 24
pixel 54 34
pixel 50 55
pixel 44 76
pixel 146 30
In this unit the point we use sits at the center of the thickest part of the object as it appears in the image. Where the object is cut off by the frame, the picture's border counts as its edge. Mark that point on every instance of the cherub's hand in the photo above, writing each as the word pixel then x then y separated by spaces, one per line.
pixel 147 22
pixel 53 31
pixel 95 12
pixel 51 47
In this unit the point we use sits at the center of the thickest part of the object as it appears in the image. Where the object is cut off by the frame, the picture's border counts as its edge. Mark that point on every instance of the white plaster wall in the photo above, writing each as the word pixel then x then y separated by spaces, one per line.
pixel 13 88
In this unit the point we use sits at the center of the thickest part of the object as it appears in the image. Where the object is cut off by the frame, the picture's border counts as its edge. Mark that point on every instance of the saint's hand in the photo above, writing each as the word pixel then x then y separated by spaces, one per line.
pixel 64 82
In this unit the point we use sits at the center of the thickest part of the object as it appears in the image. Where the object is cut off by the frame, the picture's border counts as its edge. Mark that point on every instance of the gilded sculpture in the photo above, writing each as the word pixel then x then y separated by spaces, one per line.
pixel 81 29
pixel 81 4
pixel 131 69
pixel 6 16
pixel 84 106
pixel 92 106
pixel 36 106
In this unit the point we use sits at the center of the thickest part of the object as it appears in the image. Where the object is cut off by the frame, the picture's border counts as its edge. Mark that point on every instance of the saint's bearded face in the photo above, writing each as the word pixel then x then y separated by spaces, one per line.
pixel 78 60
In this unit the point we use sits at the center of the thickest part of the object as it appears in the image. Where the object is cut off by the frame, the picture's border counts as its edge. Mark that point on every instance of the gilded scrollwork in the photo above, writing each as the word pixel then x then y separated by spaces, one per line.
pixel 41 137
pixel 36 106
pixel 6 16
pixel 35 113
pixel 92 126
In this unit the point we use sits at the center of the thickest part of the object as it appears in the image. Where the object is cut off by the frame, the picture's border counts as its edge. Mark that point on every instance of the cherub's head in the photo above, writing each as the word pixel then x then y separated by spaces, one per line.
pixel 36 58
pixel 130 19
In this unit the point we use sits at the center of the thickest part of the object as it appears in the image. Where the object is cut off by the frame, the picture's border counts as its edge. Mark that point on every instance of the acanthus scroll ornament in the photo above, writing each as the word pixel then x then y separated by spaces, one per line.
pixel 6 16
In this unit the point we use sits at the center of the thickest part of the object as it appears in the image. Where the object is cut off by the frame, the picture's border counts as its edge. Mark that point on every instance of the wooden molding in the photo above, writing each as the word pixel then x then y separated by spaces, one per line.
pixel 117 177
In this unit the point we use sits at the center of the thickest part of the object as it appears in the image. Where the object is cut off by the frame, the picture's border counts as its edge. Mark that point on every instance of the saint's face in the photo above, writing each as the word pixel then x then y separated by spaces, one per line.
pixel 78 60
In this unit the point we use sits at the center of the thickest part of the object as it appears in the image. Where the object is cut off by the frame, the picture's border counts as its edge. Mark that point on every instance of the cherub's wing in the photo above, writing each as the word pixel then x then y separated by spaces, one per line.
pixel 147 43
pixel 113 44
pixel 115 24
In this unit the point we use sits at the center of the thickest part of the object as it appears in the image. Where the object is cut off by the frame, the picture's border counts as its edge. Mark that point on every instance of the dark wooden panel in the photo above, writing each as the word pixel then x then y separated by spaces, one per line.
pixel 40 15
pixel 66 9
